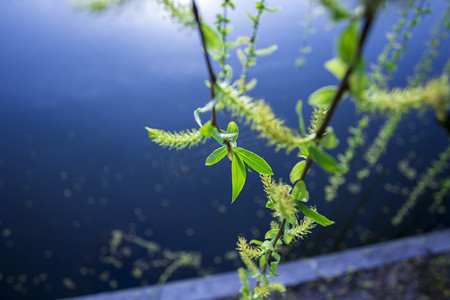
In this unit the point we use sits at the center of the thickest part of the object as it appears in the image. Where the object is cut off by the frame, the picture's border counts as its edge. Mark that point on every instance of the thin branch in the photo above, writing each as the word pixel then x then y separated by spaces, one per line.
pixel 223 26
pixel 212 76
pixel 251 52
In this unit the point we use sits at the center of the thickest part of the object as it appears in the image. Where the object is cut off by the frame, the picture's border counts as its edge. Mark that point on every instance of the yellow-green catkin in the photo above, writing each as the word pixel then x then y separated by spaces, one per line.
pixel 262 119
pixel 303 228
pixel 281 202
pixel 244 247
pixel 177 140
pixel 435 94
pixel 317 118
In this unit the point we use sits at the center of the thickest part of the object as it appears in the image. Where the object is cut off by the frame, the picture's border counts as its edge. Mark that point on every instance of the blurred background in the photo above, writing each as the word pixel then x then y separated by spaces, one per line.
pixel 88 204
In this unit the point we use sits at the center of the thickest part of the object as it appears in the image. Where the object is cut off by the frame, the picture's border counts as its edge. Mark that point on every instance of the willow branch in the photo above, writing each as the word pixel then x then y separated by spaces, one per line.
pixel 343 87
pixel 212 76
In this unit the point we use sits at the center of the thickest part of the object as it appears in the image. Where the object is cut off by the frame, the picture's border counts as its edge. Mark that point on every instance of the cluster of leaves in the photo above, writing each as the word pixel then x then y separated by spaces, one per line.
pixel 241 160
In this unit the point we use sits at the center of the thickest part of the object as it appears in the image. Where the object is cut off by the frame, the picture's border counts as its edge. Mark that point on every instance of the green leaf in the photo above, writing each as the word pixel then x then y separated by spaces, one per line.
pixel 205 130
pixel 216 156
pixel 243 40
pixel 271 234
pixel 257 163
pixel 337 67
pixel 315 216
pixel 262 261
pixel 273 9
pixel 253 18
pixel 297 171
pixel 300 192
pixel 266 51
pixel 241 56
pixel 233 128
pixel 237 176
pixel 287 238
pixel 358 80
pixel 301 122
pixel 256 242
pixel 212 39
pixel 251 85
pixel 273 265
pixel 215 134
pixel 323 96
pixel 324 160
pixel 260 5
pixel 267 245
pixel 329 141
pixel 348 43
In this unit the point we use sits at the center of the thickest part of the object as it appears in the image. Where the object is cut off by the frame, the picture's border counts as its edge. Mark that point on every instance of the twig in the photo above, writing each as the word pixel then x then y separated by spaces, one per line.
pixel 212 76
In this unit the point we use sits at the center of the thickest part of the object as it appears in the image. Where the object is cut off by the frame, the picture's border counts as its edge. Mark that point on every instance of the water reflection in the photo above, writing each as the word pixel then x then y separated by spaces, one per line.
pixel 89 204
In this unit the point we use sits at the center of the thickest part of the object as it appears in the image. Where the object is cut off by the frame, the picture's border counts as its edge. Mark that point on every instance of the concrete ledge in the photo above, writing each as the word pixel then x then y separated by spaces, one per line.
pixel 292 273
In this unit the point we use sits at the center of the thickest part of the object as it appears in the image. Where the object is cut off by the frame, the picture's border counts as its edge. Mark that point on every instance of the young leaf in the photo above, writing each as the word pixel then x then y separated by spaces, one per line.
pixel 329 141
pixel 237 176
pixel 324 160
pixel 299 192
pixel 262 261
pixel 247 167
pixel 323 96
pixel 348 43
pixel 287 238
pixel 216 156
pixel 251 85
pixel 273 9
pixel 301 123
pixel 216 135
pixel 212 39
pixel 271 234
pixel 233 128
pixel 315 216
pixel 267 245
pixel 358 81
pixel 273 265
pixel 297 171
pixel 256 242
pixel 241 56
pixel 257 163
pixel 205 130
pixel 337 67
pixel 266 51
pixel 253 18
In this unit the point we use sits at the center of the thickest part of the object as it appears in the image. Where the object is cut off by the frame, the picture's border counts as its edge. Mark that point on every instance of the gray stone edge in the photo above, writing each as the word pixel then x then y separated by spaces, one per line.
pixel 292 273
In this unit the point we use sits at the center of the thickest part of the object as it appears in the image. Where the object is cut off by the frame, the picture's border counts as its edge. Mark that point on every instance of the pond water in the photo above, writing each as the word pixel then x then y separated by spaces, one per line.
pixel 88 204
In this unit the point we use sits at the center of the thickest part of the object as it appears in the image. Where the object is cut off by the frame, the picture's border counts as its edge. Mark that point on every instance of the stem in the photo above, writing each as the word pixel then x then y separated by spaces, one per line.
pixel 251 53
pixel 224 37
pixel 212 76
pixel 343 86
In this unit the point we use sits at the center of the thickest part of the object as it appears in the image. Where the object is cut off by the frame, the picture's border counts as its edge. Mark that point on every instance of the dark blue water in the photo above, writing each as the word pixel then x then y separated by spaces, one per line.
pixel 77 90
